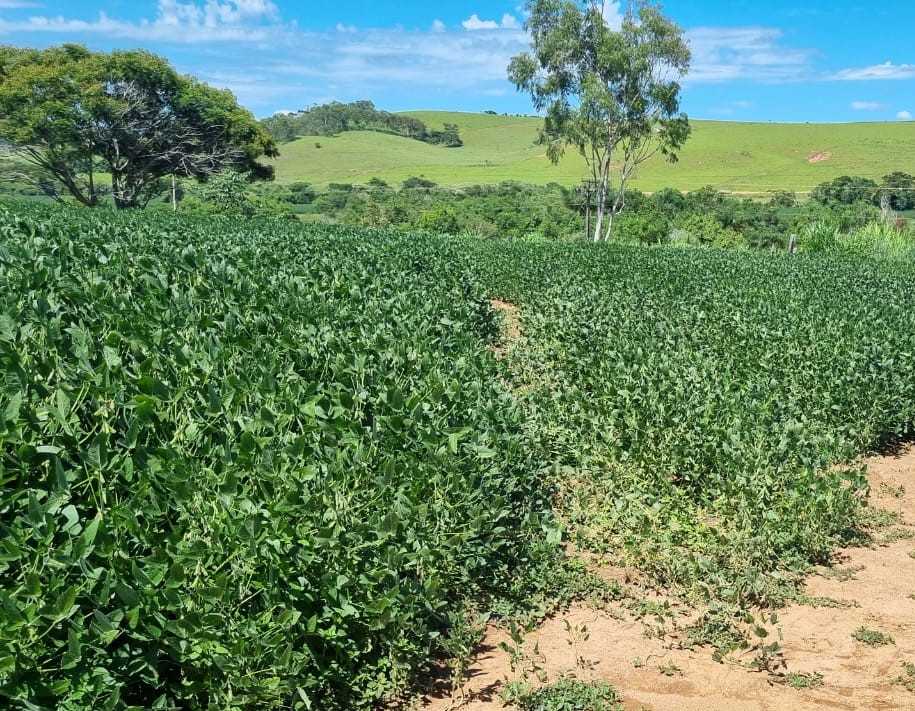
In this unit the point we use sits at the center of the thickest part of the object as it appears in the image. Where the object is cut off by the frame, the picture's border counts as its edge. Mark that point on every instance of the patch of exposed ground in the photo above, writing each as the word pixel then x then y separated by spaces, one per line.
pixel 511 326
pixel 876 584
pixel 819 157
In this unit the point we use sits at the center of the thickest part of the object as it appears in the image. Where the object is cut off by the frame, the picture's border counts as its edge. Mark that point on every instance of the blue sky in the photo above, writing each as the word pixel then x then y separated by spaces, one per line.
pixel 779 60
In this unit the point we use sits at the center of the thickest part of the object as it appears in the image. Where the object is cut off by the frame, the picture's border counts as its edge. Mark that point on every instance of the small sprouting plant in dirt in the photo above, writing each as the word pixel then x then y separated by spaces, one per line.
pixel 828 602
pixel 770 657
pixel 893 535
pixel 872 638
pixel 717 628
pixel 526 667
pixel 654 615
pixel 897 492
pixel 843 575
pixel 799 680
pixel 911 554
pixel 638 662
pixel 874 518
pixel 465 632
pixel 670 669
pixel 569 694
pixel 576 636
pixel 907 678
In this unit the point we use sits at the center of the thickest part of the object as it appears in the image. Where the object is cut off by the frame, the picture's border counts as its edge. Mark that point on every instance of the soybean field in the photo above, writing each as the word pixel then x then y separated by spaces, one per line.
pixel 256 464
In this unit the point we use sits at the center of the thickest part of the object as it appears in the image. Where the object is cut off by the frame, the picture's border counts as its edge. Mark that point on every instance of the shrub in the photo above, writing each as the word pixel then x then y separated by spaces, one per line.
pixel 415 182
pixel 783 198
pixel 442 220
pixel 645 227
pixel 705 229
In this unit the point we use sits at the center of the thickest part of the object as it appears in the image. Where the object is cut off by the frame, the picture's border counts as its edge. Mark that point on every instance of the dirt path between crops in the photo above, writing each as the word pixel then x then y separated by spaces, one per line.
pixel 876 583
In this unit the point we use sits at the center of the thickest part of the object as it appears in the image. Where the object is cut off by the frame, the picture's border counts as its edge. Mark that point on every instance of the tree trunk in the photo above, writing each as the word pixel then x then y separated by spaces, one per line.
pixel 174 194
pixel 599 214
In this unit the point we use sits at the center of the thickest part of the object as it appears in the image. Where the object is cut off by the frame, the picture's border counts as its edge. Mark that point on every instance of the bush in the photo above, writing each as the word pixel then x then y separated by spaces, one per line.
pixel 899 189
pixel 783 198
pixel 416 182
pixel 645 227
pixel 442 220
pixel 301 193
pixel 704 229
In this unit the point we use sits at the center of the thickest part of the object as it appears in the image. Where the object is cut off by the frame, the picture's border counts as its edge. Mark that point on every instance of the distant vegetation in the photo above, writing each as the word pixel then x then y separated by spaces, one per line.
pixel 702 218
pixel 336 118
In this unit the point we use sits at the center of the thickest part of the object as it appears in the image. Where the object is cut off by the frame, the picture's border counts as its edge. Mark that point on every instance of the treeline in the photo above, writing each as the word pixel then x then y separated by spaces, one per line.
pixel 705 217
pixel 335 118
pixel 895 191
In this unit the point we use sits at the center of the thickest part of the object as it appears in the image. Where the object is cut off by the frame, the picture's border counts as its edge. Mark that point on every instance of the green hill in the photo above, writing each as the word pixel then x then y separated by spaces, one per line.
pixel 737 157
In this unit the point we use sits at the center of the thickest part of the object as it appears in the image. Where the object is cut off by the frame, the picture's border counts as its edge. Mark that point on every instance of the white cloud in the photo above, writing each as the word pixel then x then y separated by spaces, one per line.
pixel 723 54
pixel 438 26
pixel 904 116
pixel 175 22
pixel 612 14
pixel 510 22
pixel 475 24
pixel 18 4
pixel 885 71
pixel 351 29
pixel 866 105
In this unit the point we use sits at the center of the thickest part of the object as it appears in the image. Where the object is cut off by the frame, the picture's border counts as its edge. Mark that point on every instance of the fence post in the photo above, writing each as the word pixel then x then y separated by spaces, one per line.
pixel 792 244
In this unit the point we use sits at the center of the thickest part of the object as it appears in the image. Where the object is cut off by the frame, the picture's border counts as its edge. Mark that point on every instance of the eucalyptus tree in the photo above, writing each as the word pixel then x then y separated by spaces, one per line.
pixel 612 94
pixel 129 115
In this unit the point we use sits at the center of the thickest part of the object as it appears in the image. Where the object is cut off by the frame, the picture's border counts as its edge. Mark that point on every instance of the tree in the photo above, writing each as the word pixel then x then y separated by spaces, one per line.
pixel 75 113
pixel 846 190
pixel 898 191
pixel 613 95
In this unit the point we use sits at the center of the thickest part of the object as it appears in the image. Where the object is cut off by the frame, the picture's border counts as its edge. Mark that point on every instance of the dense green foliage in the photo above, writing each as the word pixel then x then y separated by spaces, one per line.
pixel 128 116
pixel 256 464
pixel 336 118
pixel 243 466
pixel 897 190
pixel 693 402
pixel 515 211
pixel 567 694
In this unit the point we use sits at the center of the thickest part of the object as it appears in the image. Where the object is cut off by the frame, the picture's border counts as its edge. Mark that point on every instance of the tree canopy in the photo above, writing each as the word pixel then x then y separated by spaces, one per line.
pixel 335 118
pixel 612 94
pixel 76 113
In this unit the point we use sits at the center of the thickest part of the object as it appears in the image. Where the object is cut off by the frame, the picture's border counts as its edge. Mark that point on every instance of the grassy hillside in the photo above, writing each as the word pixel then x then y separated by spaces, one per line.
pixel 739 157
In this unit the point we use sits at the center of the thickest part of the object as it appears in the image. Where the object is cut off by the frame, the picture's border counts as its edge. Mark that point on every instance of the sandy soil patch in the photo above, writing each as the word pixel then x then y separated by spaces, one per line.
pixel 878 584
pixel 819 157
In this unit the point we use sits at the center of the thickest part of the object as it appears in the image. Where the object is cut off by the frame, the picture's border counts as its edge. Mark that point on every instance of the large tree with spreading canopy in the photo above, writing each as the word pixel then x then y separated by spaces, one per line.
pixel 76 114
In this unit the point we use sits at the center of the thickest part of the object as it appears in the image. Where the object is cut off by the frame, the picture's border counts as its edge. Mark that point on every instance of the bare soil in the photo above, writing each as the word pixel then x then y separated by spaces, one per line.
pixel 511 326
pixel 819 157
pixel 877 583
